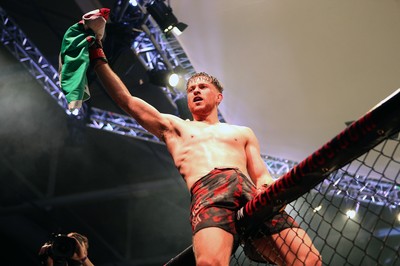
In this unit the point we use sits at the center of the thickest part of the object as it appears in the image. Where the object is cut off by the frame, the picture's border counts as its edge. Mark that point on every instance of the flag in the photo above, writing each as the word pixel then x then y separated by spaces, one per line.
pixel 74 56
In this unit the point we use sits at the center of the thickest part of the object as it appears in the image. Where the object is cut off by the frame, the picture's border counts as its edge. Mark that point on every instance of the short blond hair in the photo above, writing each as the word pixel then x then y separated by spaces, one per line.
pixel 207 77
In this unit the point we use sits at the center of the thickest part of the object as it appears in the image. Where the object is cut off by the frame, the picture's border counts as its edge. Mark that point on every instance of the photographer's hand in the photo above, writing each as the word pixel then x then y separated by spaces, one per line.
pixel 81 254
pixel 43 253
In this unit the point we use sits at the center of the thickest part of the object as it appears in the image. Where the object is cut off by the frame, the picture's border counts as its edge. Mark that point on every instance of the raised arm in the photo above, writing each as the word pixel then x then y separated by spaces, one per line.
pixel 255 164
pixel 145 114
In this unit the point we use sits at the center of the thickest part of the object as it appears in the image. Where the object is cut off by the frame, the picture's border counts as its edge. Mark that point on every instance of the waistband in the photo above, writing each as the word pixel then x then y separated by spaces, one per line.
pixel 213 172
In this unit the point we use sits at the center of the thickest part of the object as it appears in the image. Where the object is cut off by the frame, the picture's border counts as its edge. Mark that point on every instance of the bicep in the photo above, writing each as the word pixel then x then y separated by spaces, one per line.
pixel 149 117
pixel 144 113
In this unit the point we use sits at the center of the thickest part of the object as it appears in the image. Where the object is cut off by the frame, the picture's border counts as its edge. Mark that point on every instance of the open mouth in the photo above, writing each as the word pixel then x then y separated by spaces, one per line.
pixel 197 99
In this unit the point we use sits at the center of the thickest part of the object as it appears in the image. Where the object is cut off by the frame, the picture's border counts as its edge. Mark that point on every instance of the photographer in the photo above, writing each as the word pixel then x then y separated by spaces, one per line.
pixel 66 250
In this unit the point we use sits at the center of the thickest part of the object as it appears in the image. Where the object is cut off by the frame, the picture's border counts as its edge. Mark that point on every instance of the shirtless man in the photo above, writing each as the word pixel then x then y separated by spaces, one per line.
pixel 221 165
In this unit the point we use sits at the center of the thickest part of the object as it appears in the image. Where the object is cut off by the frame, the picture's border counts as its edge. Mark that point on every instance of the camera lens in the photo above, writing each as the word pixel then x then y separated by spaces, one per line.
pixel 63 246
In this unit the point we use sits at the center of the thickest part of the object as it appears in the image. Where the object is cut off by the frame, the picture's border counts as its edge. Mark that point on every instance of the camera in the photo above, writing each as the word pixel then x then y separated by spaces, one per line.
pixel 62 246
pixel 59 249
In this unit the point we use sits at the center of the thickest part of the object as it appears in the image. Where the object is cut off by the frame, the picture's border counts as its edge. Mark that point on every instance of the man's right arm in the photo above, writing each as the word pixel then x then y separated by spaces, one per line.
pixel 145 114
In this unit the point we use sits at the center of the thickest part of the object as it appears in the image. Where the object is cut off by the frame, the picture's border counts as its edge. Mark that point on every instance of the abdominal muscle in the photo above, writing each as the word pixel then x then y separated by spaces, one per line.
pixel 195 158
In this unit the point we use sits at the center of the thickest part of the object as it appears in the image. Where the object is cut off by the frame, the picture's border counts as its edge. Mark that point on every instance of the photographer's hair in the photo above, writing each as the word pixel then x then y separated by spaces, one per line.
pixel 206 77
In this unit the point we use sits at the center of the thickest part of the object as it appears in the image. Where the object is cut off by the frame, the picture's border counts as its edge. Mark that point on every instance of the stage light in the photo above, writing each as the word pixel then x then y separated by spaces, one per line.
pixel 133 2
pixel 74 112
pixel 163 78
pixel 173 79
pixel 179 28
pixel 351 214
pixel 164 17
pixel 317 209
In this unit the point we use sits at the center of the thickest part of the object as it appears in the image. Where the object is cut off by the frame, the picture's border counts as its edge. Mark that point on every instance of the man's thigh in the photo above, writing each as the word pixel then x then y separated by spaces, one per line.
pixel 213 242
pixel 291 246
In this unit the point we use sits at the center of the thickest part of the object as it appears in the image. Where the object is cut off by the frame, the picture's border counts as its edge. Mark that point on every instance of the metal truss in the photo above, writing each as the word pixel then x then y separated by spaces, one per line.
pixel 28 55
pixel 151 49
pixel 157 50
pixel 372 177
pixel 278 167
pixel 361 189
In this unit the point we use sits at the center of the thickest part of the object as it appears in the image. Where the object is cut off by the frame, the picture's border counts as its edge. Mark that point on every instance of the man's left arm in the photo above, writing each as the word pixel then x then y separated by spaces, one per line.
pixel 255 164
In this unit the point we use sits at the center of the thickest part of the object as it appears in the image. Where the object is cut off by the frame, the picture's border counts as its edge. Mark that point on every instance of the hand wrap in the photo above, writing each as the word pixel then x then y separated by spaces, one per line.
pixel 96 54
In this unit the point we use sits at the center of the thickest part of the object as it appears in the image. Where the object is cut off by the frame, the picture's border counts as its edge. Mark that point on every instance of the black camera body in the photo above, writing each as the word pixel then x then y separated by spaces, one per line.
pixel 62 247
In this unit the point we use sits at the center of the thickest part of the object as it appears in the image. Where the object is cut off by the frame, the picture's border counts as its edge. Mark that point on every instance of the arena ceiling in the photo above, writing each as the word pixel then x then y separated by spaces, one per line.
pixel 295 72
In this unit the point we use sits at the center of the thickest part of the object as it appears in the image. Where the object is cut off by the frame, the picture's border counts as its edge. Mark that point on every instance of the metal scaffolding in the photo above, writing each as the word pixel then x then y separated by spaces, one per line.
pixel 361 189
pixel 13 38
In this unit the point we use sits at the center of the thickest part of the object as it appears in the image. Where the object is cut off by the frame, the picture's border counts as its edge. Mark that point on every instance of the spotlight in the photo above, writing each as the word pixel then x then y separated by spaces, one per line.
pixel 74 112
pixel 164 17
pixel 317 209
pixel 351 214
pixel 163 78
pixel 173 79
pixel 133 2
pixel 179 28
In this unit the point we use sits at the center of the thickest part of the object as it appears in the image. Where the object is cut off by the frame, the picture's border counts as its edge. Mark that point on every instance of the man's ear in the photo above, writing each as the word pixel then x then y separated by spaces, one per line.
pixel 219 98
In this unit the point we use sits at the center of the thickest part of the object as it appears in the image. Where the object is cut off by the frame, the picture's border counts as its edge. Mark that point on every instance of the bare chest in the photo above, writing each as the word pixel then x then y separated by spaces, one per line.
pixel 214 134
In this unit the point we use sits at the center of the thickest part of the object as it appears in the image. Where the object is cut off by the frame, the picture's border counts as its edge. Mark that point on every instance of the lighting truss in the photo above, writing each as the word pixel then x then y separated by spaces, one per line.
pixel 278 167
pixel 361 189
pixel 27 54
pixel 119 124
pixel 157 50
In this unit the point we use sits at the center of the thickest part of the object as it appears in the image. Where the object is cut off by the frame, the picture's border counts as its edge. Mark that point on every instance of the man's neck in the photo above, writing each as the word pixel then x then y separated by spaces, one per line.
pixel 210 118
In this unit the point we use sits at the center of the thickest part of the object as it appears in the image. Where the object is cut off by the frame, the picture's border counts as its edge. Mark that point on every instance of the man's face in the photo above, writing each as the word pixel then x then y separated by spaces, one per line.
pixel 202 96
